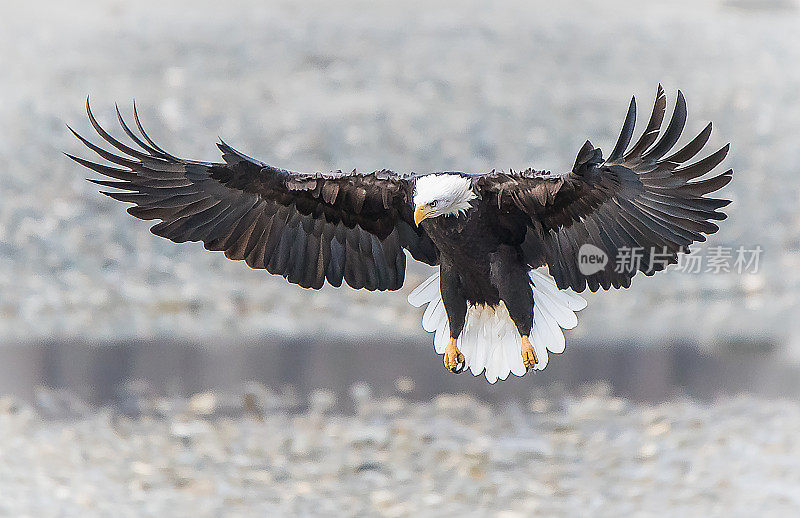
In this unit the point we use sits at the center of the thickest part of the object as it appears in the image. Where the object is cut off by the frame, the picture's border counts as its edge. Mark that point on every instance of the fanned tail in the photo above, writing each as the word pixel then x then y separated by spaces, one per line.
pixel 490 341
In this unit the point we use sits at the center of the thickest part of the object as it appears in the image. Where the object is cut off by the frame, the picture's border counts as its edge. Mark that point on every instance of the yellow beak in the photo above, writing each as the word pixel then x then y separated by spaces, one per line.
pixel 421 212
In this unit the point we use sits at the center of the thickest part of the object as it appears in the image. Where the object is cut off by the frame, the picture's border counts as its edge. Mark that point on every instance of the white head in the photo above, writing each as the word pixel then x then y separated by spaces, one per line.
pixel 442 195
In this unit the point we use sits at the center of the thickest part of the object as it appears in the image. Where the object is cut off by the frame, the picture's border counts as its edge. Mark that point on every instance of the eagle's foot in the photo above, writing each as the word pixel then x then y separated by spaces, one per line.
pixel 453 359
pixel 529 358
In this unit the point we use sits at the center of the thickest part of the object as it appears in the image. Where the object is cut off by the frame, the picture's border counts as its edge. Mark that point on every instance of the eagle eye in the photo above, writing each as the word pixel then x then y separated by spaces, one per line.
pixel 434 203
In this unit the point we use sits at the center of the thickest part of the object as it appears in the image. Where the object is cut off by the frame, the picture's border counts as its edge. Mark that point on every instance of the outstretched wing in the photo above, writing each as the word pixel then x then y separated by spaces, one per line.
pixel 306 227
pixel 638 208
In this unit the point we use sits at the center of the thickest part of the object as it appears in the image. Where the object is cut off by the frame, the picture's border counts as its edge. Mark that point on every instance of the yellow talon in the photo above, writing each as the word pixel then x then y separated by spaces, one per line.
pixel 452 356
pixel 529 358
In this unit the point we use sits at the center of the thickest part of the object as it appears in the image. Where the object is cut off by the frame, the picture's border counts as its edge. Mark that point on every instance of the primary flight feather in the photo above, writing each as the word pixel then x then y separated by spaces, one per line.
pixel 492 306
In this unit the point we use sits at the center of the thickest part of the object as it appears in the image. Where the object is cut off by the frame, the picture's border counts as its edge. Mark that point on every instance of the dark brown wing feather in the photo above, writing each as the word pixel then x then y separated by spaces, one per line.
pixel 307 227
pixel 630 202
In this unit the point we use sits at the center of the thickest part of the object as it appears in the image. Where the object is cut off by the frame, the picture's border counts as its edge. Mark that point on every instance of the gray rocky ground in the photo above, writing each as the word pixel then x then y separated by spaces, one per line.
pixel 588 454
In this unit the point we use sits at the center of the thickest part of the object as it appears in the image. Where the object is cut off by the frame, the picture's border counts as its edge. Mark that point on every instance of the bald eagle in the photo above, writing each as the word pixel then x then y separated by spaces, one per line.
pixel 509 244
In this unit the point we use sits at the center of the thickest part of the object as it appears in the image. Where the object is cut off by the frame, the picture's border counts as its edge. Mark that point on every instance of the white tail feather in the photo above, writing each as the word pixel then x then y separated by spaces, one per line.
pixel 490 341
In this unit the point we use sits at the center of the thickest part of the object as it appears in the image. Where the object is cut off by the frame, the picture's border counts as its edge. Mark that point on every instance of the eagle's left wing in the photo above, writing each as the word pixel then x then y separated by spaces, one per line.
pixel 634 205
pixel 309 227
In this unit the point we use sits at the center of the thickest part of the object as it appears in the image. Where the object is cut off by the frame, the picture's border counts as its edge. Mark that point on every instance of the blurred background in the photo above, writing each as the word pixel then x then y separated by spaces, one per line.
pixel 140 377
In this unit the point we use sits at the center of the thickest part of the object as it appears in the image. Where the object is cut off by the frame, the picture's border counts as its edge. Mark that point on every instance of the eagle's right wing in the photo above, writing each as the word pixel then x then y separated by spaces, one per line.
pixel 307 227
pixel 637 207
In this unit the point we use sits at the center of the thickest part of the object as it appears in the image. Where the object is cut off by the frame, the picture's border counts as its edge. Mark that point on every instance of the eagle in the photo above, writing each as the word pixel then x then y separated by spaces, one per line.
pixel 512 248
